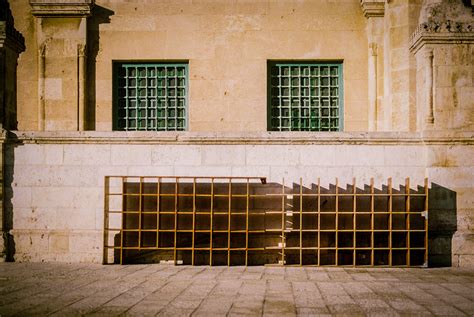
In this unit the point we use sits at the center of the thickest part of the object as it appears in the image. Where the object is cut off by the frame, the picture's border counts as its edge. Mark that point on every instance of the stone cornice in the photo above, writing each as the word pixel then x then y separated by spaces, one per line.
pixel 297 138
pixel 447 32
pixel 58 8
pixel 373 8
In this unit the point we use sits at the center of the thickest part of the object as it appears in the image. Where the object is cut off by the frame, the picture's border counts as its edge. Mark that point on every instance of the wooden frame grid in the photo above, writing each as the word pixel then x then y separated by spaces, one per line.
pixel 244 221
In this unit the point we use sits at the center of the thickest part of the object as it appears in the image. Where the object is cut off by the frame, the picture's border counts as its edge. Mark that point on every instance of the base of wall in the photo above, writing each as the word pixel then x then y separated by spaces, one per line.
pixel 463 249
pixel 57 246
pixel 86 246
pixel 3 247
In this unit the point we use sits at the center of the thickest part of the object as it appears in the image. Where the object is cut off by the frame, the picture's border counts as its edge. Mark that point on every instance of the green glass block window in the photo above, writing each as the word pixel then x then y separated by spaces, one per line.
pixel 150 96
pixel 305 97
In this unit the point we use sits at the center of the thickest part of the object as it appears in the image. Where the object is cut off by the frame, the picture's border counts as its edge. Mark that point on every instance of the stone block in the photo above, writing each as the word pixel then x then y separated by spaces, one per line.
pixel 229 155
pixel 39 175
pixel 399 59
pixel 104 90
pixel 398 175
pixel 123 23
pixel 436 155
pixel 177 155
pixel 203 170
pixel 460 155
pixel 272 155
pixel 317 155
pixel 30 241
pixel 286 174
pixel 86 241
pixel 402 155
pixel 359 155
pixel 131 154
pixel 452 177
pixel 87 154
pixel 71 175
pixel 29 154
pixel 58 243
pixel 87 197
pixel 52 197
pixel 53 88
pixel 249 171
pixel 465 197
pixel 54 154
pixel 21 197
pixel 150 170
pixel 463 249
pixel 355 126
pixel 32 218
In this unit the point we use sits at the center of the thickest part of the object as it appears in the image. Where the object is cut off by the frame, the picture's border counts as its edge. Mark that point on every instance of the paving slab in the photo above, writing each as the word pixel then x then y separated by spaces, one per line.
pixel 57 289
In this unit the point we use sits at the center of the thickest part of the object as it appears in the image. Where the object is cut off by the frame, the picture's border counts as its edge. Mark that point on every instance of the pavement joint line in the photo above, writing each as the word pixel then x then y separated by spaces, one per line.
pixel 210 291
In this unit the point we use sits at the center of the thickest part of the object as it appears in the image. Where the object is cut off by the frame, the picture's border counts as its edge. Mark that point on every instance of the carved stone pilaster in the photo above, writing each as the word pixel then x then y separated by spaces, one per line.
pixel 45 12
pixel 374 11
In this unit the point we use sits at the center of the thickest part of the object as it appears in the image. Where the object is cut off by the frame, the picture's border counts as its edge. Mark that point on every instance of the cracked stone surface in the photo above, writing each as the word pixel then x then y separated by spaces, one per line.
pixel 53 289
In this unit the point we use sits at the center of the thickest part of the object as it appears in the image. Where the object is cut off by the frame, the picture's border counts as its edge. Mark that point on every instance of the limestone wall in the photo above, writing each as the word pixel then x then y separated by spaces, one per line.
pixel 227 44
pixel 56 184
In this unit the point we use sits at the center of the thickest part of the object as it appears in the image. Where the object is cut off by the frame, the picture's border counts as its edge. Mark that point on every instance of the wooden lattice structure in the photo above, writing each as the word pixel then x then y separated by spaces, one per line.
pixel 245 221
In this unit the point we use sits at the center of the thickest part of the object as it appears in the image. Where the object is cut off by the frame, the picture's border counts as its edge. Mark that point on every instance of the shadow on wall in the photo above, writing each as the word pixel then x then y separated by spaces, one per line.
pixel 9 159
pixel 259 216
pixel 100 15
pixel 442 225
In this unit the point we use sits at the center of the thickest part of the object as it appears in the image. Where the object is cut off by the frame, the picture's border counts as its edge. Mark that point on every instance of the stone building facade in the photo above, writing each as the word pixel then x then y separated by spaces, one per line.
pixel 403 91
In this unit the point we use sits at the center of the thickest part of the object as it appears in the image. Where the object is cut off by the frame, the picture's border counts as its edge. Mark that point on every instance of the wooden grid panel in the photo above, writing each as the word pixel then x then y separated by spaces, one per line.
pixel 238 221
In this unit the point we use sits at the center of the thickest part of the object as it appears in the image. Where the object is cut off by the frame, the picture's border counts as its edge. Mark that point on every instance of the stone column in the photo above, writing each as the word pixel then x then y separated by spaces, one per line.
pixel 12 44
pixel 61 62
pixel 443 45
pixel 429 117
pixel 81 83
pixel 374 12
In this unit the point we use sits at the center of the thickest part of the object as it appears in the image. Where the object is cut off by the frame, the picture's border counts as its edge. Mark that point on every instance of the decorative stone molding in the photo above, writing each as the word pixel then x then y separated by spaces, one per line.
pixel 301 138
pixel 373 8
pixel 442 33
pixel 51 8
pixel 445 22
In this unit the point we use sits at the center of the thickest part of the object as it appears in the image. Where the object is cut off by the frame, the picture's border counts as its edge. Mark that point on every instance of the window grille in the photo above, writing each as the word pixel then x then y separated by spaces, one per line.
pixel 150 96
pixel 305 97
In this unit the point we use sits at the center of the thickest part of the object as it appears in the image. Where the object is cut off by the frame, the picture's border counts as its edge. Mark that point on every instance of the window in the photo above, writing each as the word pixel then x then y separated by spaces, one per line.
pixel 150 96
pixel 305 96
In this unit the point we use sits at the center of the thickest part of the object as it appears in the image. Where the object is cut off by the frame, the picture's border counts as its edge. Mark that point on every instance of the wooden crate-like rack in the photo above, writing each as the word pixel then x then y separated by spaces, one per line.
pixel 245 221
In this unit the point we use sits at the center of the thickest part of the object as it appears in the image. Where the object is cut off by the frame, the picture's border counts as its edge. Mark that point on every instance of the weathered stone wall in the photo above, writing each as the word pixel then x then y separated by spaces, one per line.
pixel 392 82
pixel 226 43
pixel 57 180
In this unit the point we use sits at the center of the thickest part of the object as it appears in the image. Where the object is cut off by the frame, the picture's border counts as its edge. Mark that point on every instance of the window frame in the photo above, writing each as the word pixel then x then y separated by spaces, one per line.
pixel 117 64
pixel 305 63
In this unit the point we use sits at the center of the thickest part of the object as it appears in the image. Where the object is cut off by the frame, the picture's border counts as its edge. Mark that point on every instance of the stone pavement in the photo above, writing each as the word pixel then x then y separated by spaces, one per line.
pixel 42 289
